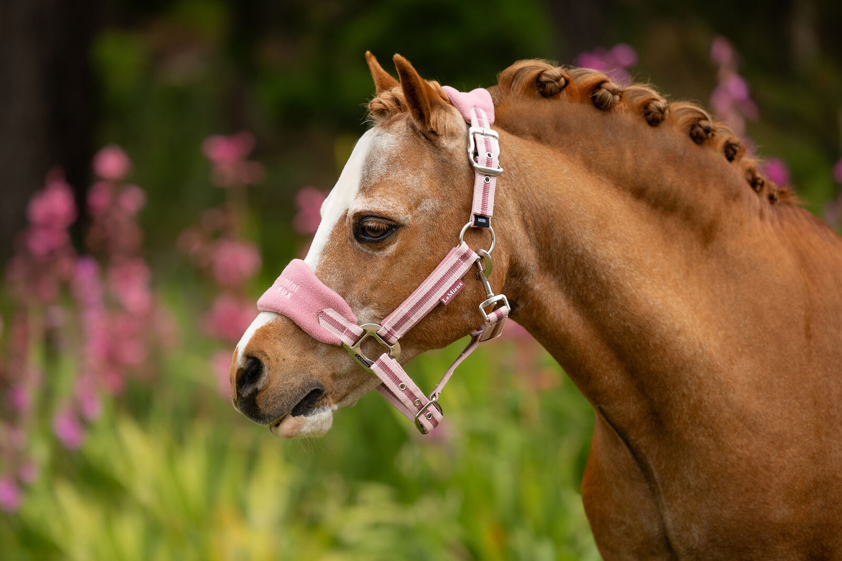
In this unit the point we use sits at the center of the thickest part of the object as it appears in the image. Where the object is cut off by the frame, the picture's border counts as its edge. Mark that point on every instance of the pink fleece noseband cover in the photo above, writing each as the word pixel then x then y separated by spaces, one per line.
pixel 299 295
pixel 323 314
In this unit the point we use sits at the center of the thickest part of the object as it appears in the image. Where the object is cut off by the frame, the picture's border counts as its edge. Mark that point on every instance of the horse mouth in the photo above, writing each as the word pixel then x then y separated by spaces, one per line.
pixel 304 407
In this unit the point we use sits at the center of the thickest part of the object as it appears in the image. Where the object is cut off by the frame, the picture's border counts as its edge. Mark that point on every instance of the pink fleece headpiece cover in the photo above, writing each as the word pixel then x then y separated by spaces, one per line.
pixel 465 101
pixel 299 295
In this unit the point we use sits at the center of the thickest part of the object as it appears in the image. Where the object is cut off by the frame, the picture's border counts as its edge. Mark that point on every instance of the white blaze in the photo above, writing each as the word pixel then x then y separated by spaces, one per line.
pixel 340 198
pixel 333 209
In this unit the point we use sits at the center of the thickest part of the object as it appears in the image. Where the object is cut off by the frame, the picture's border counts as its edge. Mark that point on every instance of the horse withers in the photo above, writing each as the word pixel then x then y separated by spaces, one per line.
pixel 693 303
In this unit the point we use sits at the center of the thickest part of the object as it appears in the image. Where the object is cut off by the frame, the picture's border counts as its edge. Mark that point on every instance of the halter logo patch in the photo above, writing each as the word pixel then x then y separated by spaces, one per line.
pixel 287 288
pixel 454 290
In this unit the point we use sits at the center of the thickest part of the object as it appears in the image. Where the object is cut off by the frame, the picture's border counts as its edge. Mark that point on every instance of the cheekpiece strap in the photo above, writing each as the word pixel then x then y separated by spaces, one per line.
pixel 477 108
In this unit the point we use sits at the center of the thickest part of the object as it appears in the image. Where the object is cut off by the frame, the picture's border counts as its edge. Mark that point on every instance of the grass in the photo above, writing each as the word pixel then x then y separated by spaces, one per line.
pixel 170 471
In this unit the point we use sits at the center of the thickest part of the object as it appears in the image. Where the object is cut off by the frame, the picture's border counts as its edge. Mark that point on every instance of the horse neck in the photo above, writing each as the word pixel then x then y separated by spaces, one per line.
pixel 614 231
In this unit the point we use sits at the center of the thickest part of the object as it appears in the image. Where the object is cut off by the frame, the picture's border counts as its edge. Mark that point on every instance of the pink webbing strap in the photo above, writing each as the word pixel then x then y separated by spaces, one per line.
pixel 477 108
pixel 399 389
pixel 412 310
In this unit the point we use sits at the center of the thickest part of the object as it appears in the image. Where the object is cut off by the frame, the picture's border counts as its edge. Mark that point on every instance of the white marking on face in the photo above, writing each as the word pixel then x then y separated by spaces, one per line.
pixel 317 423
pixel 262 319
pixel 340 198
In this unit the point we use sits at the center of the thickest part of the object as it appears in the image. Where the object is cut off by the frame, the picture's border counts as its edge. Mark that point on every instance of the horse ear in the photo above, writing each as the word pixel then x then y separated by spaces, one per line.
pixel 421 98
pixel 382 80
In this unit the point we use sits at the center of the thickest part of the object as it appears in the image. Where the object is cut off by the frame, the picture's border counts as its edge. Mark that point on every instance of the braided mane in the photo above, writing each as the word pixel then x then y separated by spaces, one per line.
pixel 528 78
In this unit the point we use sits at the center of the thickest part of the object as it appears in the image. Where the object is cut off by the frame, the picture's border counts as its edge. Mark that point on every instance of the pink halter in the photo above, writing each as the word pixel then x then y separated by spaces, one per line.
pixel 323 314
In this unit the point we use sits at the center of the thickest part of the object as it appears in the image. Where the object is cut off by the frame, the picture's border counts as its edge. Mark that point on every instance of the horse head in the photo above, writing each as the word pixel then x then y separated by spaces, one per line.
pixel 396 210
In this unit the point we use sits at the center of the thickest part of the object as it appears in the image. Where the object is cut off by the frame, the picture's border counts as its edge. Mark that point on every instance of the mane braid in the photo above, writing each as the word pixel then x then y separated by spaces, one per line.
pixel 539 78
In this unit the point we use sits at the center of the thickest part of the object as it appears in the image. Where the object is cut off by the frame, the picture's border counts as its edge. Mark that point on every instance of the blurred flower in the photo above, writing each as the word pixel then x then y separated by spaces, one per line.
pixel 87 399
pixel 613 62
pixel 68 429
pixel 111 163
pixel 128 281
pixel 99 198
pixel 227 149
pixel 234 262
pixel 837 171
pixel 10 494
pixel 228 318
pixel 29 471
pixel 513 330
pixel 220 363
pixel 227 154
pixel 132 199
pixel 20 399
pixel 776 170
pixel 721 51
pixel 730 100
pixel 54 206
pixel 42 241
pixel 309 201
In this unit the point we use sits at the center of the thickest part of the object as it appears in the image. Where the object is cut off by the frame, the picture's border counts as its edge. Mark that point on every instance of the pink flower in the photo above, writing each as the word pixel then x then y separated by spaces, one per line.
pixel 54 206
pixel 837 171
pixel 613 62
pixel 10 494
pixel 90 406
pixel 129 282
pixel 594 60
pixel 20 398
pixel 309 201
pixel 99 197
pixel 623 55
pixel 68 429
pixel 43 241
pixel 228 318
pixel 132 199
pixel 29 472
pixel 228 149
pixel 112 163
pixel 721 52
pixel 234 262
pixel 220 363
pixel 227 154
pixel 127 344
pixel 515 331
pixel 776 170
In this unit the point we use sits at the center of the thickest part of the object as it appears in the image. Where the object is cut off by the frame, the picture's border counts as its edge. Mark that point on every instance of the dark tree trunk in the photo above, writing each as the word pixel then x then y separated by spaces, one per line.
pixel 46 101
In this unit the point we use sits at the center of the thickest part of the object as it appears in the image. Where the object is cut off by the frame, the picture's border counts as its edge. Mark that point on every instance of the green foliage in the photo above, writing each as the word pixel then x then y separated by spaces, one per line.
pixel 172 472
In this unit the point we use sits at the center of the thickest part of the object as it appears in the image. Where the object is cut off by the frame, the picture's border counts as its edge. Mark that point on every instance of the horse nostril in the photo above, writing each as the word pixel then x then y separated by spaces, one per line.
pixel 249 376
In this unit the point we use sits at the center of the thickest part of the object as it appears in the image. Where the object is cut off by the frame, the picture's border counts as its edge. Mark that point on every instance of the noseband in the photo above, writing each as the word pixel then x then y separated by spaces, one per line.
pixel 319 311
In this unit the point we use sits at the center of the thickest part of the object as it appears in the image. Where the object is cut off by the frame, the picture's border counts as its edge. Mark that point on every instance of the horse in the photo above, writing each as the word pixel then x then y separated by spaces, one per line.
pixel 692 301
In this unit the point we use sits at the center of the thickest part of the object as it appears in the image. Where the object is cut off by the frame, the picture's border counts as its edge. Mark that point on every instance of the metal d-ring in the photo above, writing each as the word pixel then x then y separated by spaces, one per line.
pixel 493 236
pixel 356 350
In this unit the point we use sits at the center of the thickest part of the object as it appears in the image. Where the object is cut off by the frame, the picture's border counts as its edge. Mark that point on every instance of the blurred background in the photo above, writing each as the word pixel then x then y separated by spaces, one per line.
pixel 162 160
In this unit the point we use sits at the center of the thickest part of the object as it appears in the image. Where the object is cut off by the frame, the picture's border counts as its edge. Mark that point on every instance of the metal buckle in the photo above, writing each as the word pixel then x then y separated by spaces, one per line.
pixel 491 301
pixel 472 148
pixel 434 402
pixel 370 330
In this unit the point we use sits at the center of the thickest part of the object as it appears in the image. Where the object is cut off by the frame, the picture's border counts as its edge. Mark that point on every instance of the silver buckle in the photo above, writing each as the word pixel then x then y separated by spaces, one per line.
pixel 472 146
pixel 434 402
pixel 370 330
pixel 490 302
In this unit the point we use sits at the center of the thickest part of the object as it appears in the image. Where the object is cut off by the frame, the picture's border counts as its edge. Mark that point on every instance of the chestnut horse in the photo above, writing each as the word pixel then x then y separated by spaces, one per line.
pixel 693 303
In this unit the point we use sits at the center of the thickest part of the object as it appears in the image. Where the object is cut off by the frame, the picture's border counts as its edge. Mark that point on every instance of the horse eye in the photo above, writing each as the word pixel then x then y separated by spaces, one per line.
pixel 373 230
